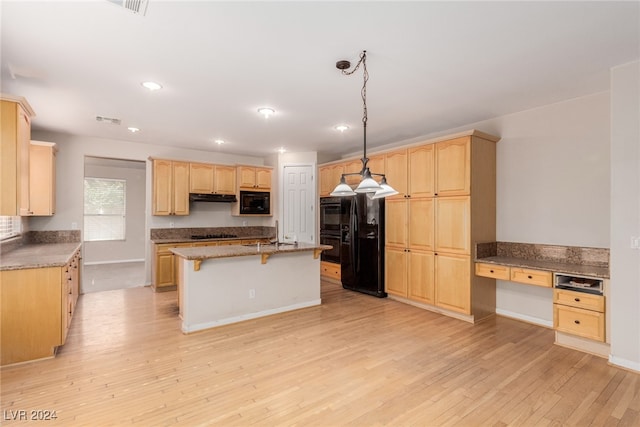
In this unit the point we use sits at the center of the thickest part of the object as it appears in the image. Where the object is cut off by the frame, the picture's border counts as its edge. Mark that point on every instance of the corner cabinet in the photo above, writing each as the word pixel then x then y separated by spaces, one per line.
pixel 15 138
pixel 170 187
pixel 446 205
pixel 37 307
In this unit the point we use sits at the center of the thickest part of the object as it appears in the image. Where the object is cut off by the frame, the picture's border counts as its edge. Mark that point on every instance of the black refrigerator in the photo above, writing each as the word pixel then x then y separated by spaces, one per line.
pixel 362 245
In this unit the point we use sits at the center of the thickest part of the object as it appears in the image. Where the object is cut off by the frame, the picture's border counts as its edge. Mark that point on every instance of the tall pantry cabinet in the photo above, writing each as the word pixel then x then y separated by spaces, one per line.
pixel 445 206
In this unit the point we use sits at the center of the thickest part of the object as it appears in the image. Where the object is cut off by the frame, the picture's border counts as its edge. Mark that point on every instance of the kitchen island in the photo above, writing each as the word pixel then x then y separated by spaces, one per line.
pixel 218 285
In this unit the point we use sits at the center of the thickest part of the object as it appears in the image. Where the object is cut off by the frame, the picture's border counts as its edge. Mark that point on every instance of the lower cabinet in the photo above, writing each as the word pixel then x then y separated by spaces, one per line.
pixel 410 274
pixel 330 270
pixel 36 310
pixel 452 282
pixel 579 313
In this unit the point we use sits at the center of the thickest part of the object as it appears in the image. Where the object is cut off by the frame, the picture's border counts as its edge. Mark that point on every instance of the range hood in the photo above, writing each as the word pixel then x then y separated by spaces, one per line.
pixel 219 198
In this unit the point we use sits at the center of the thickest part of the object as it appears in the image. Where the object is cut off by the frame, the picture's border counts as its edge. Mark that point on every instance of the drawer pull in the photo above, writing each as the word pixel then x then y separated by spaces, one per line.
pixel 577 322
pixel 530 277
pixel 491 271
pixel 576 299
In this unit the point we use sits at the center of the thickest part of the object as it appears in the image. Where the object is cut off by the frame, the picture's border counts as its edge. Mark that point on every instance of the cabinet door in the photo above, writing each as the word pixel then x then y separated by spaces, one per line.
pixel 326 186
pixel 453 171
pixel 353 166
pixel 452 281
pixel 452 230
pixel 165 270
pixel 420 276
pixel 246 177
pixel 162 187
pixel 336 174
pixel 395 268
pixel 225 180
pixel 201 178
pixel 421 171
pixel 396 223
pixel 42 173
pixel 421 224
pixel 263 178
pixel 180 188
pixel 376 165
pixel 24 141
pixel 395 166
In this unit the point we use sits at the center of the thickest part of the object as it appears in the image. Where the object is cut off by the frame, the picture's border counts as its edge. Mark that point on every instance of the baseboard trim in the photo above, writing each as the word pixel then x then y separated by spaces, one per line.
pixel 624 363
pixel 121 261
pixel 525 318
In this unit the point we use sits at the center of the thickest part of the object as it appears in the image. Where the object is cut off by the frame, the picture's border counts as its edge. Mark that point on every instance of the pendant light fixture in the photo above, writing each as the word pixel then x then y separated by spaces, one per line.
pixel 367 183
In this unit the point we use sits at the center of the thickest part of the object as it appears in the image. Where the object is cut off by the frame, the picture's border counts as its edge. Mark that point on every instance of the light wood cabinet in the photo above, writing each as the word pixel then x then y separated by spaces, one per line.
pixel 42 178
pixel 163 270
pixel 329 178
pixel 531 277
pixel 493 271
pixel 579 313
pixel 330 270
pixel 170 187
pixel 15 138
pixel 37 307
pixel 436 220
pixel 207 178
pixel 252 178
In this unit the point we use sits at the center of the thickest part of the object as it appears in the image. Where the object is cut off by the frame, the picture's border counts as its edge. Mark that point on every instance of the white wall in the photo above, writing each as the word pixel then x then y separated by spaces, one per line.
pixel 625 215
pixel 133 246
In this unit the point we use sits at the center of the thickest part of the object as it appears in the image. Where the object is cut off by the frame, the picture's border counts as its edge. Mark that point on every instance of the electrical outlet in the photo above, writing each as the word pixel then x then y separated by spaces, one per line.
pixel 74 225
pixel 244 223
pixel 252 293
pixel 635 242
pixel 172 224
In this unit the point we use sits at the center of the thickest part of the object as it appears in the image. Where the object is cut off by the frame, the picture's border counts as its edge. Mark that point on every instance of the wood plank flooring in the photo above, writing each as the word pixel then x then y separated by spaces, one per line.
pixel 354 360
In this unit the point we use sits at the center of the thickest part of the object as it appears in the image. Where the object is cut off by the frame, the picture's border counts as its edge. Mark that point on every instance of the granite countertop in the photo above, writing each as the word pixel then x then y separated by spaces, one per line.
pixel 190 240
pixel 229 251
pixel 582 261
pixel 38 255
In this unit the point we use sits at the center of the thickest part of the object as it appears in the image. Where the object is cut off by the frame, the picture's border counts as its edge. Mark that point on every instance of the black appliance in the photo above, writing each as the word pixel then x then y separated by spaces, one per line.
pixel 362 245
pixel 331 213
pixel 255 203
pixel 215 198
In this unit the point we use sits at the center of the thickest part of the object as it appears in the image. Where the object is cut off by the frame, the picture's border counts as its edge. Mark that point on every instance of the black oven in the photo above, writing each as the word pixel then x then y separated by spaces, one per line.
pixel 331 255
pixel 330 215
pixel 255 203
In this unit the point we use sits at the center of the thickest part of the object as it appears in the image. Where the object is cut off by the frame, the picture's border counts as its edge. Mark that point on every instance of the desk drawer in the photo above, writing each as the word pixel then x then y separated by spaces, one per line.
pixel 531 277
pixel 579 300
pixel 493 271
pixel 330 270
pixel 578 321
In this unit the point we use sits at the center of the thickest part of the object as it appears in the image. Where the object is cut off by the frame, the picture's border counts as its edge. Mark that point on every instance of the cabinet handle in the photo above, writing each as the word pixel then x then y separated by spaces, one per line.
pixel 530 277
pixel 576 299
pixel 577 322
pixel 490 271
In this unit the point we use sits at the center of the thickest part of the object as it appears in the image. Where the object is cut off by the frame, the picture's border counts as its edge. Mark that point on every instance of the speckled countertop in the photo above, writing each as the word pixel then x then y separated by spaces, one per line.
pixel 38 255
pixel 582 261
pixel 208 252
pixel 184 235
pixel 190 240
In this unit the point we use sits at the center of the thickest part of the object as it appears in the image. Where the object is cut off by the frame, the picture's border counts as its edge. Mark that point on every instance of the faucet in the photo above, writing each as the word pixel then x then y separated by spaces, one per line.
pixel 277 238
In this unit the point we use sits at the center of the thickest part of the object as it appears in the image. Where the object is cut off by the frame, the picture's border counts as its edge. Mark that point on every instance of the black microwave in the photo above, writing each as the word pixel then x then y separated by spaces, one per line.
pixel 255 203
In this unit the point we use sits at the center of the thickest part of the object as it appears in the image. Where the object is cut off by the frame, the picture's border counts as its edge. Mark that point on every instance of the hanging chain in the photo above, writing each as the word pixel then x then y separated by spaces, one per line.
pixel 363 94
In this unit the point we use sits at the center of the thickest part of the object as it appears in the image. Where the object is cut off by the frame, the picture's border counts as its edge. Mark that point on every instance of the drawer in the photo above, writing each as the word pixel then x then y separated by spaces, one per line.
pixel 493 271
pixel 330 270
pixel 579 300
pixel 531 277
pixel 578 321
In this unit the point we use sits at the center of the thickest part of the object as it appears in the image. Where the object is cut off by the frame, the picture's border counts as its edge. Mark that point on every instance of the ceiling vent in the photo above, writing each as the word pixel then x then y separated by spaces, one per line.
pixel 108 120
pixel 139 7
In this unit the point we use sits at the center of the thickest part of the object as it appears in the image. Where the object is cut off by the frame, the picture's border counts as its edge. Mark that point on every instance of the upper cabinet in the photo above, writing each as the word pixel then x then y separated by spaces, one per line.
pixel 170 187
pixel 254 178
pixel 15 139
pixel 42 178
pixel 453 167
pixel 207 178
pixel 330 177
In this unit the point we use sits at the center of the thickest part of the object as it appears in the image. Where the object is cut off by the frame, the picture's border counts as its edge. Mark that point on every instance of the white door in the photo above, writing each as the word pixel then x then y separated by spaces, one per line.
pixel 298 204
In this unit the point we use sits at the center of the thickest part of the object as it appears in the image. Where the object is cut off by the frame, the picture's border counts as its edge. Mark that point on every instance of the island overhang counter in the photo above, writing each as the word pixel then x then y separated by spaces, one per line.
pixel 218 285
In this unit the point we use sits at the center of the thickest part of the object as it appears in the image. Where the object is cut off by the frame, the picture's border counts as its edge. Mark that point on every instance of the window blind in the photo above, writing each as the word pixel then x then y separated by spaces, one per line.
pixel 104 209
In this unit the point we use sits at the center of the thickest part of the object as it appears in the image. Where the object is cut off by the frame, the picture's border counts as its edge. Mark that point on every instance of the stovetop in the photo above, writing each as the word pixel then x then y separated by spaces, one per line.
pixel 213 236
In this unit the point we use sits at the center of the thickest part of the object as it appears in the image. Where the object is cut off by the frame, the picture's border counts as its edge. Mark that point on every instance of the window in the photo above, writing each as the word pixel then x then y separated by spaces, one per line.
pixel 9 226
pixel 104 209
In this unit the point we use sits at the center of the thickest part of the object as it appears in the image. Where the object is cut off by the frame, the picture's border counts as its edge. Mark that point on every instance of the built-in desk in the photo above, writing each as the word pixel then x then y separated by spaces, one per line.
pixel 579 312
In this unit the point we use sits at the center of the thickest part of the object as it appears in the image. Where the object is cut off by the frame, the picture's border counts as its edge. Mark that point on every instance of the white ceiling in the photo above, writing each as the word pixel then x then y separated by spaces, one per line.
pixel 433 66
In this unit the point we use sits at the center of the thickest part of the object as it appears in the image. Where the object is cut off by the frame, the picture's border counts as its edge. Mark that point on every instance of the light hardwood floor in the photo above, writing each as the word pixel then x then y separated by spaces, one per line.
pixel 354 360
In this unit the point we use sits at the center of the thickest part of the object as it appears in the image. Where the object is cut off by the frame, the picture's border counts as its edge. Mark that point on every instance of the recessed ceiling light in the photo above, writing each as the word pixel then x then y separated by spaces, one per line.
pixel 151 85
pixel 133 130
pixel 266 112
pixel 341 128
pixel 282 150
pixel 219 141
